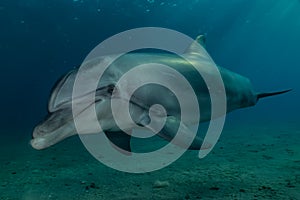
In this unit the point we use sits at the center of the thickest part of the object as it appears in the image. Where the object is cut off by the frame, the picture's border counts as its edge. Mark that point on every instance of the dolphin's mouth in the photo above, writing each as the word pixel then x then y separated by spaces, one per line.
pixel 59 124
pixel 56 127
pixel 49 139
pixel 41 140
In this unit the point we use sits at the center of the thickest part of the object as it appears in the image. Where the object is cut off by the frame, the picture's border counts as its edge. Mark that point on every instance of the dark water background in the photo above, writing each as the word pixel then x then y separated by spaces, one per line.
pixel 42 39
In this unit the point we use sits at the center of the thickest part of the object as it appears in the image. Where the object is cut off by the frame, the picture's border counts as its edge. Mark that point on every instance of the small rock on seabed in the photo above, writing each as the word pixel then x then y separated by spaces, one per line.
pixel 161 184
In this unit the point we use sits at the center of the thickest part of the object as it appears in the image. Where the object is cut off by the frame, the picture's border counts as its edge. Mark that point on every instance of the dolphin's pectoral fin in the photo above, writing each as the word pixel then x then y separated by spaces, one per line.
pixel 170 129
pixel 120 141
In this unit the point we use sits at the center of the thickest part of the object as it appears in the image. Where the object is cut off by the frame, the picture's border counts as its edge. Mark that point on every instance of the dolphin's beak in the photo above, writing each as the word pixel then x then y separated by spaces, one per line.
pixel 60 122
pixel 57 126
pixel 48 139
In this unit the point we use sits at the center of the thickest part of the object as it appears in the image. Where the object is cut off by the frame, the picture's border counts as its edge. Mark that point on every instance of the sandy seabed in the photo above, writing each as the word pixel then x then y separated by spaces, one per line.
pixel 249 162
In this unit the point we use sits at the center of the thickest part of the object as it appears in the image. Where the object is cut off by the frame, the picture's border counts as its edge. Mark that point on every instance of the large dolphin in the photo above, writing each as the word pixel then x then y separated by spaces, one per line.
pixel 59 124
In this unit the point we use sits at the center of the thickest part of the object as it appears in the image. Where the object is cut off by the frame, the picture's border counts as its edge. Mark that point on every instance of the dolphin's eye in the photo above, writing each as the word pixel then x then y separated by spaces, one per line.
pixel 110 88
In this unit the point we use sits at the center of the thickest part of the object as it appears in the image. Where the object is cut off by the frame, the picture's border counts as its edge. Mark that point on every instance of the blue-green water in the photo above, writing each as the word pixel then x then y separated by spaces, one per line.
pixel 42 39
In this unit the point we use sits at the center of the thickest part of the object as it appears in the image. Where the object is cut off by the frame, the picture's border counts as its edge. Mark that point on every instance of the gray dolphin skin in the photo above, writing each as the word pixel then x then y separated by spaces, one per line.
pixel 59 124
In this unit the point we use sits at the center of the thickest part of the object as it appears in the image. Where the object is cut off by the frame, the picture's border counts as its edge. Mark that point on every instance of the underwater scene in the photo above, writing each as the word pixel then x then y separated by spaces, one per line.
pixel 150 99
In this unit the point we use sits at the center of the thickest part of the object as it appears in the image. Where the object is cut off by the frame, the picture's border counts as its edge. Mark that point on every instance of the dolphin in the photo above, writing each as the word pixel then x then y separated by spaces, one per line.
pixel 59 124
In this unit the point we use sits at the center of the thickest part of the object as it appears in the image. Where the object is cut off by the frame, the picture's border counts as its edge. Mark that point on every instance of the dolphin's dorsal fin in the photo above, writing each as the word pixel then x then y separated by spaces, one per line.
pixel 194 48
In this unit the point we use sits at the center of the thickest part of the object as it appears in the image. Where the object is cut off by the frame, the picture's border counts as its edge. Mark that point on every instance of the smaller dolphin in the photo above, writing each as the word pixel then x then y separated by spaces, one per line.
pixel 59 123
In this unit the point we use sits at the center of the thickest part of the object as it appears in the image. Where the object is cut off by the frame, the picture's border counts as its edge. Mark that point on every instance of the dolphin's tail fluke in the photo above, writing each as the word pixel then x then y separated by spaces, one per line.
pixel 263 95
